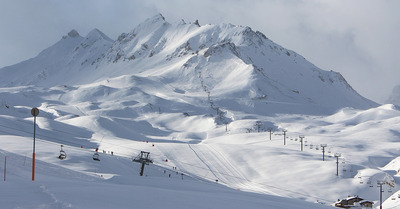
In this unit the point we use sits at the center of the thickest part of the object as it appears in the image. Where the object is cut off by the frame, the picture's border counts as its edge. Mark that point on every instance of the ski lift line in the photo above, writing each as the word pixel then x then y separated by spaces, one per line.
pixel 16 129
pixel 36 134
pixel 121 155
pixel 77 147
pixel 65 143
pixel 31 133
pixel 162 165
pixel 51 142
pixel 72 134
pixel 86 149
pixel 29 123
pixel 62 141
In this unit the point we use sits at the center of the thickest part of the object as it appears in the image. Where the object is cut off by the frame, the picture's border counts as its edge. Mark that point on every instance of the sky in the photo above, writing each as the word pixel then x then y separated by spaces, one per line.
pixel 358 38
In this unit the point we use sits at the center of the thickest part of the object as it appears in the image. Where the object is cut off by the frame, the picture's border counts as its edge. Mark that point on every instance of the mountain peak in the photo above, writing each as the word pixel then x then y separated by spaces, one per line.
pixel 149 25
pixel 155 19
pixel 159 16
pixel 97 34
pixel 73 33
pixel 214 59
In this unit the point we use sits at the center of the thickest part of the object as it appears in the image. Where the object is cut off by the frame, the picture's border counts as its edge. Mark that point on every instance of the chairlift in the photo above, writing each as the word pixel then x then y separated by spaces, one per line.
pixel 62 155
pixel 96 156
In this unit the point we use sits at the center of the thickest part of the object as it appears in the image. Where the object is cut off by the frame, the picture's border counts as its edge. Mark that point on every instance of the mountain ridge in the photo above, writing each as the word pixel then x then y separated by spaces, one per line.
pixel 216 61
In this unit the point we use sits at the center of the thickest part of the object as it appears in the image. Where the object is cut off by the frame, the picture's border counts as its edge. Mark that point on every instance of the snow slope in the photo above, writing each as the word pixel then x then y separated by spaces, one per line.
pixel 198 98
pixel 221 66
pixel 113 182
pixel 248 162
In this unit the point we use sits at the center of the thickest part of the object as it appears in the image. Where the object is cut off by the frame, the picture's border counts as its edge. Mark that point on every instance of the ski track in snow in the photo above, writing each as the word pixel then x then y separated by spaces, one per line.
pixel 57 202
pixel 223 170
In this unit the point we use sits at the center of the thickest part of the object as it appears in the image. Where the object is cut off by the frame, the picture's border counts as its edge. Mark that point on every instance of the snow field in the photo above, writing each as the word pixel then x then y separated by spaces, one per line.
pixel 192 96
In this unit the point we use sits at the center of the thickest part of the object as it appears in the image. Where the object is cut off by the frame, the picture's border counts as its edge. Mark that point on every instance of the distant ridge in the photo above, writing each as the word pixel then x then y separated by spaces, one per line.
pixel 226 66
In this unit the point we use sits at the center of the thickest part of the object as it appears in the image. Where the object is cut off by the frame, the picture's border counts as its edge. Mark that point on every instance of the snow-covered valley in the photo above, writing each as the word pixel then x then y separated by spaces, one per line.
pixel 211 104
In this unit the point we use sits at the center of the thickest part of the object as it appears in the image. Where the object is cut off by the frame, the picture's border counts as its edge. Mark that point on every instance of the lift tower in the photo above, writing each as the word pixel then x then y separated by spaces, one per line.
pixel 144 159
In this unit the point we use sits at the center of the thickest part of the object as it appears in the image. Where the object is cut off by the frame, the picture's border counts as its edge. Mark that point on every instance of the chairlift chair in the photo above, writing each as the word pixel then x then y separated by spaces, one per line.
pixel 96 156
pixel 62 155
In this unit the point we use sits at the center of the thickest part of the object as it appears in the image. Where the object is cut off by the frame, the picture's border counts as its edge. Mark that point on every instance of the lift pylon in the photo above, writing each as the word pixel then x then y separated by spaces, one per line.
pixel 144 159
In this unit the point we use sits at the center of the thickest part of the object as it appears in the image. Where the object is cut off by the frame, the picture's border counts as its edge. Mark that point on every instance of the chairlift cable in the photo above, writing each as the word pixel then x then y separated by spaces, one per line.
pixel 68 143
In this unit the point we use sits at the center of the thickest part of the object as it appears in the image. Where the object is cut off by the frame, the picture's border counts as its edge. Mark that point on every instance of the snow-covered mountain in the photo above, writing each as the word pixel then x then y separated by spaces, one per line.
pixel 394 98
pixel 210 102
pixel 223 66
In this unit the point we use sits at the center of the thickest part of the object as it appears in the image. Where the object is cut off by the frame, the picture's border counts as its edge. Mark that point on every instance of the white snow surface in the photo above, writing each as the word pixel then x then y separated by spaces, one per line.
pixel 192 96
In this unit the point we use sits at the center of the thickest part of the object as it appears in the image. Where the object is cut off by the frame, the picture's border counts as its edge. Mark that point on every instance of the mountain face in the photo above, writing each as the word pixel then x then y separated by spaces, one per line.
pixel 394 98
pixel 186 67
